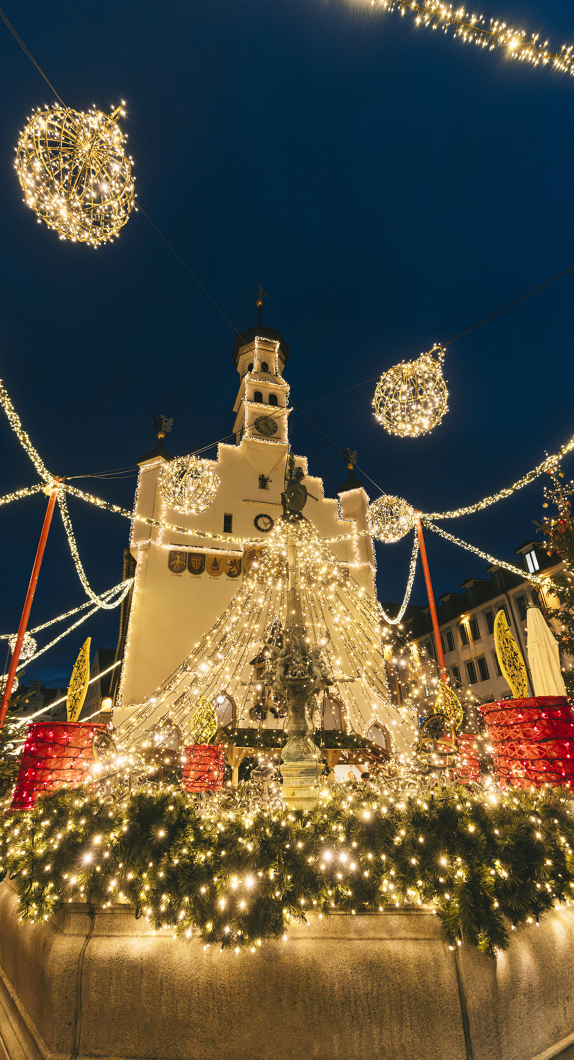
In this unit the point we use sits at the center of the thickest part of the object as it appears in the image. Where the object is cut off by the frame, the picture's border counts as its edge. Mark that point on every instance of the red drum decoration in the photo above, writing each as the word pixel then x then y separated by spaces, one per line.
pixel 468 766
pixel 532 740
pixel 204 768
pixel 57 754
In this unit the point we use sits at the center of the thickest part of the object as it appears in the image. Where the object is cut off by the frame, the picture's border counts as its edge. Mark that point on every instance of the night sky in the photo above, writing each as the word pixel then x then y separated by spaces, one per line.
pixel 387 185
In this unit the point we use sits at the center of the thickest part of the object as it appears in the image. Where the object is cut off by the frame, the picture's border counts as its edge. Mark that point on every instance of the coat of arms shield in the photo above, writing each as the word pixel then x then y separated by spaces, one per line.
pixel 196 562
pixel 176 562
pixel 233 566
pixel 215 566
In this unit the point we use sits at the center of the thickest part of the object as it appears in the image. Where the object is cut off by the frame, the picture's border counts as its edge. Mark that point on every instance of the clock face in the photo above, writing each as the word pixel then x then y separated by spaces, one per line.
pixel 264 522
pixel 266 425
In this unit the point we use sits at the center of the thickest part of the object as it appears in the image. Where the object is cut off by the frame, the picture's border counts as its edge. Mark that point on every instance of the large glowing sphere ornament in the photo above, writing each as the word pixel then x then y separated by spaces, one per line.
pixel 411 398
pixel 28 649
pixel 188 484
pixel 390 518
pixel 75 174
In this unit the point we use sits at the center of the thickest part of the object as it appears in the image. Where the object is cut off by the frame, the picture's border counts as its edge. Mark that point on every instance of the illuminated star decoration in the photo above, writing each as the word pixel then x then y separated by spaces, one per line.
pixel 75 174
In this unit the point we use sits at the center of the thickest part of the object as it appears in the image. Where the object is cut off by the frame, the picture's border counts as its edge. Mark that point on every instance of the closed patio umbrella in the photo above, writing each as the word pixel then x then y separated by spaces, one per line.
pixel 543 656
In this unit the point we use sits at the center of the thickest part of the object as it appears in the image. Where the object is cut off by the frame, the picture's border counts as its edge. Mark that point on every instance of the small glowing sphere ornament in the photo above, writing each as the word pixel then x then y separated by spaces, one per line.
pixel 75 174
pixel 411 398
pixel 188 484
pixel 28 648
pixel 390 518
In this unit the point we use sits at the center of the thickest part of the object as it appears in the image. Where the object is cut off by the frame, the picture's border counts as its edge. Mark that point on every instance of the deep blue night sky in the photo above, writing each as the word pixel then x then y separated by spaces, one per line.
pixel 387 185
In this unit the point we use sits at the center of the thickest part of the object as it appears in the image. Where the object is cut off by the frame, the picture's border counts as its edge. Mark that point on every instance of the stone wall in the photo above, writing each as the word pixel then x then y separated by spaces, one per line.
pixel 375 987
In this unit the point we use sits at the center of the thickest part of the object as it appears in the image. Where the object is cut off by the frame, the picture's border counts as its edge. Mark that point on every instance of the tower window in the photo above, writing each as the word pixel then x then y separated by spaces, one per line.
pixel 273 399
pixel 531 561
pixel 264 366
pixel 227 523
pixel 258 396
pixel 250 367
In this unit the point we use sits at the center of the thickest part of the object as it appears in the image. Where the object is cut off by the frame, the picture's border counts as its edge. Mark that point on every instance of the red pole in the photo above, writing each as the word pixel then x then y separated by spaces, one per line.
pixel 28 603
pixel 430 594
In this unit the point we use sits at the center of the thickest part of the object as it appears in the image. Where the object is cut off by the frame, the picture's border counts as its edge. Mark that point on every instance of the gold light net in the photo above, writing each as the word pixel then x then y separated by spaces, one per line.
pixel 390 518
pixel 188 484
pixel 411 398
pixel 75 174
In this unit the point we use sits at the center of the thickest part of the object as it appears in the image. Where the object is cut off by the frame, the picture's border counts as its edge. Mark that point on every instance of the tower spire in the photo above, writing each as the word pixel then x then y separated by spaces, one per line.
pixel 261 294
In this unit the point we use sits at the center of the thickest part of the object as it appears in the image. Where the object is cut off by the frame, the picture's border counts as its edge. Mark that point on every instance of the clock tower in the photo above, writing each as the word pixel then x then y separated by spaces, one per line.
pixel 189 566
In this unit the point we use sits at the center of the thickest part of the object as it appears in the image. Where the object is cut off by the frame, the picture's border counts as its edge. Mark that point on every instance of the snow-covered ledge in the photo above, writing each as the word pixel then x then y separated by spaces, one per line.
pixel 376 987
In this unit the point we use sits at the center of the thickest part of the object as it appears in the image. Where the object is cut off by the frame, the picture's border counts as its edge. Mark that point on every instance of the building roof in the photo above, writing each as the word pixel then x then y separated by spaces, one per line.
pixel 160 450
pixel 351 483
pixel 245 337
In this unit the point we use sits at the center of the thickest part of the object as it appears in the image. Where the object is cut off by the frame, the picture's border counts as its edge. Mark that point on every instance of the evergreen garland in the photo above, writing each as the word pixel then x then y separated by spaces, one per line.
pixel 238 876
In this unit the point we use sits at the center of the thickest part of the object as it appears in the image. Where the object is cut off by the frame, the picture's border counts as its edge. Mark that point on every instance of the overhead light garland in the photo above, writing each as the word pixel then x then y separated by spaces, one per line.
pixel 412 570
pixel 411 398
pixel 547 465
pixel 75 174
pixel 473 29
pixel 238 877
pixel 123 589
pixel 18 495
pixel 534 578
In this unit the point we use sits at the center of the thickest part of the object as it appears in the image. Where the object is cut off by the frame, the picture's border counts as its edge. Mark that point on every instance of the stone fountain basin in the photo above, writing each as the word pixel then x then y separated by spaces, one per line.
pixel 374 987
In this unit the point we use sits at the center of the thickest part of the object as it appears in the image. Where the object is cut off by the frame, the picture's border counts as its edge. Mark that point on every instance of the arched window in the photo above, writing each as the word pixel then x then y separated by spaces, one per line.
pixel 258 396
pixel 379 734
pixel 264 366
pixel 225 710
pixel 250 367
pixel 273 399
pixel 331 709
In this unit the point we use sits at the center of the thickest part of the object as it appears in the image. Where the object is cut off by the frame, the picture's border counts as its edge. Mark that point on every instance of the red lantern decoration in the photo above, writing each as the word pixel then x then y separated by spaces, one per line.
pixel 532 740
pixel 204 768
pixel 56 754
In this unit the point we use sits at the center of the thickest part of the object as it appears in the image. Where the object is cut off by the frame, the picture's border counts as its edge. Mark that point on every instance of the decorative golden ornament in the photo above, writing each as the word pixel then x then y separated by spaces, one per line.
pixel 390 518
pixel 28 649
pixel 510 658
pixel 448 703
pixel 188 484
pixel 411 398
pixel 79 683
pixel 204 724
pixel 75 174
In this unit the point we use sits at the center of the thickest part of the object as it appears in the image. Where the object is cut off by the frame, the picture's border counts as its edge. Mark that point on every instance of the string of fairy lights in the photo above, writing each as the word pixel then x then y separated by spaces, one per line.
pixel 110 600
pixel 473 29
pixel 338 613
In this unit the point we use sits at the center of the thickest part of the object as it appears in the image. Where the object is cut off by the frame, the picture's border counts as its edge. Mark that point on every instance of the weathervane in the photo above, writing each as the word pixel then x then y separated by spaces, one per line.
pixel 261 294
pixel 162 425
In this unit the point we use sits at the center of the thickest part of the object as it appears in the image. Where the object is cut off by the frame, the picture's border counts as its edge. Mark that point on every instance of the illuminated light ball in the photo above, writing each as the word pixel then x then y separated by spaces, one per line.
pixel 390 518
pixel 411 398
pixel 28 649
pixel 188 484
pixel 3 681
pixel 75 174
